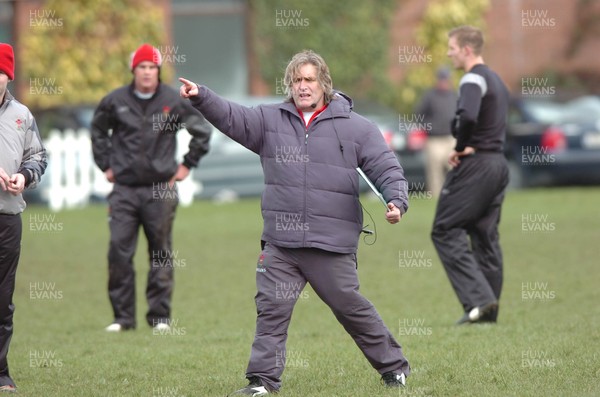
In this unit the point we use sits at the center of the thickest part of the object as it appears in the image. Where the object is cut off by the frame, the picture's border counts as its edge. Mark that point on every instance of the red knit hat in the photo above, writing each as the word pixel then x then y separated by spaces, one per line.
pixel 7 60
pixel 145 53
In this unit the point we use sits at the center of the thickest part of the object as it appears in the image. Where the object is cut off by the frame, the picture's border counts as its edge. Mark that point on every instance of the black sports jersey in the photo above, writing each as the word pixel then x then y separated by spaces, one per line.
pixel 481 114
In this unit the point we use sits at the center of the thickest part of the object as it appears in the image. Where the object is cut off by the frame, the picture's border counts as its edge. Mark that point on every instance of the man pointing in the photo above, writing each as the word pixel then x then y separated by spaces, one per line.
pixel 311 212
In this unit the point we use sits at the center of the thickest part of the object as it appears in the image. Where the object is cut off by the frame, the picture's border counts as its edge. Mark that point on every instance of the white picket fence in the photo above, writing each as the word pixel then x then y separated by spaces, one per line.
pixel 72 177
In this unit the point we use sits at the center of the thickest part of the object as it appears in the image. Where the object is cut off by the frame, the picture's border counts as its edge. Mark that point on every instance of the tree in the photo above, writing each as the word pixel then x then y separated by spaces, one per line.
pixel 352 37
pixel 78 51
pixel 440 17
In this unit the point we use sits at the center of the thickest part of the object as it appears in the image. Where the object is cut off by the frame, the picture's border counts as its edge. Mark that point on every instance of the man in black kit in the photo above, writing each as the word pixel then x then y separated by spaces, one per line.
pixel 472 195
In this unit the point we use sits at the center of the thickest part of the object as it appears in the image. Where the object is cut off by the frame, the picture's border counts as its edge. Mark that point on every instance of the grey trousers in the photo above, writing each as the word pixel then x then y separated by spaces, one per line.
pixel 281 276
pixel 465 229
pixel 153 208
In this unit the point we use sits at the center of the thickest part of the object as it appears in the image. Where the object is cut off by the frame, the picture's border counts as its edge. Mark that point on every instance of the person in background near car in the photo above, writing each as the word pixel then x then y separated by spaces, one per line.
pixel 436 110
pixel 310 147
pixel 134 141
pixel 22 164
pixel 472 195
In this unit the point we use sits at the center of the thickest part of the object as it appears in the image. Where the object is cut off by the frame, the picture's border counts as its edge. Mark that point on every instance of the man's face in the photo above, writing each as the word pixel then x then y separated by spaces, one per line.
pixel 145 77
pixel 306 89
pixel 3 84
pixel 456 53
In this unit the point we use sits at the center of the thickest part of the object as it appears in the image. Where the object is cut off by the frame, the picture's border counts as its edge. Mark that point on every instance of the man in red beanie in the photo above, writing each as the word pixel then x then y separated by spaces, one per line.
pixel 22 163
pixel 134 141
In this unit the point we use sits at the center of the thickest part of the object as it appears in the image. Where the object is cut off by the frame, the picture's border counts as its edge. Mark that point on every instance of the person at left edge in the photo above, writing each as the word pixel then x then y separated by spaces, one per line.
pixel 134 141
pixel 22 163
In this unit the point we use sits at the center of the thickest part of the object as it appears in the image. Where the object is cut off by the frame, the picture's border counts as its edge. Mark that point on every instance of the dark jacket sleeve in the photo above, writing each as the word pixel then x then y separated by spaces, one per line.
pixel 466 114
pixel 242 124
pixel 199 129
pixel 34 162
pixel 102 123
pixel 380 164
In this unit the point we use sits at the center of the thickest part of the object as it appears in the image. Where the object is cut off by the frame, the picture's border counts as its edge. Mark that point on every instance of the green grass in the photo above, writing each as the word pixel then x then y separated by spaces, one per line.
pixel 544 346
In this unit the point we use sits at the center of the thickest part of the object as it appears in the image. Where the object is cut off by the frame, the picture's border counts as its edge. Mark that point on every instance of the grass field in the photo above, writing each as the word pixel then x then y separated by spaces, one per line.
pixel 545 344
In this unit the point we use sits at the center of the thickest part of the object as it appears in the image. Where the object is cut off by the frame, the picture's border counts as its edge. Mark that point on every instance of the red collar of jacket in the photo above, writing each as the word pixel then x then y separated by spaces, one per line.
pixel 315 114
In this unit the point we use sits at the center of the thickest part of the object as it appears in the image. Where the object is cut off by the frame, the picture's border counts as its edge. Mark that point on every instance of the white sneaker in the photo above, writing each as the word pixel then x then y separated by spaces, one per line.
pixel 114 327
pixel 162 327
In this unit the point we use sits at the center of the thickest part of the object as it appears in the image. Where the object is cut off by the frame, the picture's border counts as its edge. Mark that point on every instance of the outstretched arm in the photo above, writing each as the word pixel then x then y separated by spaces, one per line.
pixel 243 125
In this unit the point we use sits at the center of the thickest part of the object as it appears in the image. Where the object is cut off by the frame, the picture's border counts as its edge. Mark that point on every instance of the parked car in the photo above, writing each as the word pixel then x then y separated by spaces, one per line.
pixel 229 171
pixel 547 143
pixel 554 143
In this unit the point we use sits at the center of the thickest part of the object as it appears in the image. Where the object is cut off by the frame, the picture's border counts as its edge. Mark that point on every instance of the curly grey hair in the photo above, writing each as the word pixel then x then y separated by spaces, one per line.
pixel 323 76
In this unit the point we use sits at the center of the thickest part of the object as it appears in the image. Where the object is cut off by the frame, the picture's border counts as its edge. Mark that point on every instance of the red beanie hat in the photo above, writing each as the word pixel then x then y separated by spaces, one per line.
pixel 145 53
pixel 7 60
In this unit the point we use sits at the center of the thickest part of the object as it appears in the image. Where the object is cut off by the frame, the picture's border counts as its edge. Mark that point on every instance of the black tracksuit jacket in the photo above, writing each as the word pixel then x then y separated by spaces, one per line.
pixel 137 138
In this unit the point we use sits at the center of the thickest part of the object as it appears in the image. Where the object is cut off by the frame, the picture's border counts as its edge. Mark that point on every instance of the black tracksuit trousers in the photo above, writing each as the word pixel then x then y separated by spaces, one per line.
pixel 465 229
pixel 10 251
pixel 152 207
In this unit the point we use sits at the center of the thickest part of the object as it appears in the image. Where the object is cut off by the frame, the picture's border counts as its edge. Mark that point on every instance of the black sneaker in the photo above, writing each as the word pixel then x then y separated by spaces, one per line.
pixel 254 388
pixel 478 313
pixel 490 317
pixel 392 379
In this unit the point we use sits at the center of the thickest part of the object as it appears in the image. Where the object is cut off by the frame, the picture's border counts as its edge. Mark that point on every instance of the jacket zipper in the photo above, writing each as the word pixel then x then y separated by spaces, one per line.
pixel 143 142
pixel 305 183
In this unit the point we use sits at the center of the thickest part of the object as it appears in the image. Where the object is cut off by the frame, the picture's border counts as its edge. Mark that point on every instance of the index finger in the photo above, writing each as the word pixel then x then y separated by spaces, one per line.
pixel 186 81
